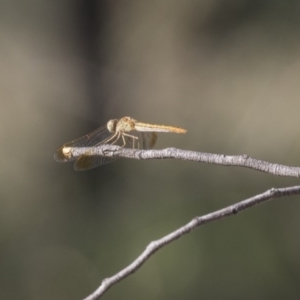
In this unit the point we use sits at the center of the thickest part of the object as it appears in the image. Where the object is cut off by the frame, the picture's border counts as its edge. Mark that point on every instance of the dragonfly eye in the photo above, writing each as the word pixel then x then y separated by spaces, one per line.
pixel 111 125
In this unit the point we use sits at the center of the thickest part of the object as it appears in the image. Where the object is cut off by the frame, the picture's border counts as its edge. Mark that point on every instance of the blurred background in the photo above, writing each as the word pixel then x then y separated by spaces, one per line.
pixel 227 71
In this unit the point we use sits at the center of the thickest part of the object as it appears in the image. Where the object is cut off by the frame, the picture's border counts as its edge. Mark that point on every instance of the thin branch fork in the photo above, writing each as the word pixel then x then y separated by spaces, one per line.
pixel 219 159
pixel 193 224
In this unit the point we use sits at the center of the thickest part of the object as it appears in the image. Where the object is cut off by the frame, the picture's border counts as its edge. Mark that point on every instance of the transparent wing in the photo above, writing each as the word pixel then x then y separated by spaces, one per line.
pixel 148 139
pixel 89 140
pixel 100 136
pixel 137 140
pixel 86 162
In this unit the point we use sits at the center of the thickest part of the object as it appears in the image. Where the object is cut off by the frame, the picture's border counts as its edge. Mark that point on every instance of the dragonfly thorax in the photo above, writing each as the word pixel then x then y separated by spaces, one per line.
pixel 125 124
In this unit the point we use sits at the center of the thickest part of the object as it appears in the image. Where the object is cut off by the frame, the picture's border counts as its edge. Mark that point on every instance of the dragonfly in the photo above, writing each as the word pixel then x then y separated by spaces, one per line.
pixel 125 132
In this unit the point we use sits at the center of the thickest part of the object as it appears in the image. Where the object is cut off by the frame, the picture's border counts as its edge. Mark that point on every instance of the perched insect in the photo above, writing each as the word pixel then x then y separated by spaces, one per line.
pixel 125 132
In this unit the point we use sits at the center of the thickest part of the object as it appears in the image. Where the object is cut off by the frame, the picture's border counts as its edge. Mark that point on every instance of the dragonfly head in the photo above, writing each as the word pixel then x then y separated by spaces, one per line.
pixel 111 125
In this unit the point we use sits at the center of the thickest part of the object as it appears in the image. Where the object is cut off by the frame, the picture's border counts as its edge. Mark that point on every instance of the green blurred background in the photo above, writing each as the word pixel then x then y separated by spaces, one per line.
pixel 227 71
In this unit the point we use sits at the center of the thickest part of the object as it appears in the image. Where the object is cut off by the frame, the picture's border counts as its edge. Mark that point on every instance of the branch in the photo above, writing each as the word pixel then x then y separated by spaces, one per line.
pixel 219 159
pixel 196 222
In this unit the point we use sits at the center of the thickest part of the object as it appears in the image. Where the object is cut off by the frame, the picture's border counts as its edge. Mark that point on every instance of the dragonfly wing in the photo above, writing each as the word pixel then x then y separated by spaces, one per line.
pixel 148 139
pixel 137 140
pixel 100 136
pixel 88 140
pixel 86 162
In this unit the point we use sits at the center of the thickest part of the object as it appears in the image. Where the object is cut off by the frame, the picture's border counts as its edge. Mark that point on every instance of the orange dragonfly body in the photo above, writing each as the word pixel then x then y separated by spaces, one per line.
pixel 125 132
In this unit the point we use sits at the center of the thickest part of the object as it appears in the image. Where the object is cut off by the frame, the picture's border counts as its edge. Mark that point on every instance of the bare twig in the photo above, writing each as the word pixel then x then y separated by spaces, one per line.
pixel 196 222
pixel 220 159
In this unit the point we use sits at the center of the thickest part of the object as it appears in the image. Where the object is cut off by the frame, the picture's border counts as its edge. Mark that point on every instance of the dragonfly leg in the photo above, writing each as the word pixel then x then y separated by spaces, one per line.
pixel 118 136
pixel 130 136
pixel 134 140
pixel 109 139
pixel 124 142
pixel 138 143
